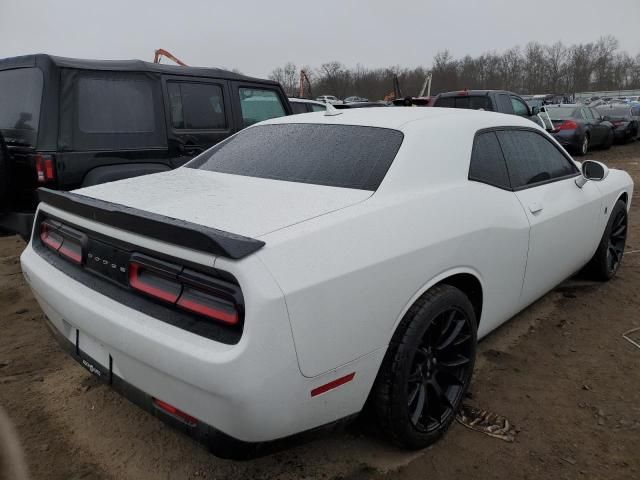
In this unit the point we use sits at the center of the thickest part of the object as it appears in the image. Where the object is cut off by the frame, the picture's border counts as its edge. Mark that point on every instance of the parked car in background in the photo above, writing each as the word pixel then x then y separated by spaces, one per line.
pixel 240 327
pixel 579 128
pixel 489 100
pixel 302 105
pixel 624 118
pixel 355 99
pixel 345 106
pixel 68 123
pixel 329 99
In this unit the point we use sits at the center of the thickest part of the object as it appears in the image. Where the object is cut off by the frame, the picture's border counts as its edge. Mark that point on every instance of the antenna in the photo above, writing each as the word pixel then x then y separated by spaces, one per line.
pixel 331 111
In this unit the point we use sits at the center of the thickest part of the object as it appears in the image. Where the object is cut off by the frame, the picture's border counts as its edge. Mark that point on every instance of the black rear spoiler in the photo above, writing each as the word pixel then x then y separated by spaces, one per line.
pixel 167 229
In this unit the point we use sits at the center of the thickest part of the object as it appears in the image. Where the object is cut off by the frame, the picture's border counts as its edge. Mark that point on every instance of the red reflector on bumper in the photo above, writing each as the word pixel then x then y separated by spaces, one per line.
pixel 173 411
pixel 331 385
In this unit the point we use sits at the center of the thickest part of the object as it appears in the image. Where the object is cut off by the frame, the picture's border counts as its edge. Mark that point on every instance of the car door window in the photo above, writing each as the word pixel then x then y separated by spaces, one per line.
pixel 519 107
pixel 504 104
pixel 532 158
pixel 487 161
pixel 258 105
pixel 196 106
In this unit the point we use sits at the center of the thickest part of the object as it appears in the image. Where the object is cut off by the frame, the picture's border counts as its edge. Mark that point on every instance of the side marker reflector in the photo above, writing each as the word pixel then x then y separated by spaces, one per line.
pixel 333 384
pixel 179 414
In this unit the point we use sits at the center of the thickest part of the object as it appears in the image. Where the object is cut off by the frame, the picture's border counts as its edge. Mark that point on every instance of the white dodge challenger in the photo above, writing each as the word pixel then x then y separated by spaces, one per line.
pixel 312 263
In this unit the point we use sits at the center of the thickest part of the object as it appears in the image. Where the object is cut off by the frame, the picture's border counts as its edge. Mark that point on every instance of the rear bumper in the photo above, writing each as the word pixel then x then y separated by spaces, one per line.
pixel 247 393
pixel 17 222
pixel 219 443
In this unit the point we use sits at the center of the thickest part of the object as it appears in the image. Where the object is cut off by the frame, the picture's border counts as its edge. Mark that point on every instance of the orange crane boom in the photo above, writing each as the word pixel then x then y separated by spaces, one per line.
pixel 161 52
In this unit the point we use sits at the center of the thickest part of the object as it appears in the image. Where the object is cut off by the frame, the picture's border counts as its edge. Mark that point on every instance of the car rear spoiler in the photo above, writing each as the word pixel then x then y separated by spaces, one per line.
pixel 166 229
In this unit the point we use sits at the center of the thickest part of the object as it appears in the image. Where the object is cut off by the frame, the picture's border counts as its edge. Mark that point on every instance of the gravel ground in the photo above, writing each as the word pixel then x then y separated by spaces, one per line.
pixel 560 371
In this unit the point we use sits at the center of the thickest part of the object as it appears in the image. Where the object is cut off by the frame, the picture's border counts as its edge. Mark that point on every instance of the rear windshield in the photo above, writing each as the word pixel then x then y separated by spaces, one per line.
pixel 20 97
pixel 466 101
pixel 560 113
pixel 336 155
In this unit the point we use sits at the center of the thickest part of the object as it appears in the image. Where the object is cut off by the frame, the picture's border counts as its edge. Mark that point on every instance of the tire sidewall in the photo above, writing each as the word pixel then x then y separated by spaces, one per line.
pixel 599 261
pixel 405 431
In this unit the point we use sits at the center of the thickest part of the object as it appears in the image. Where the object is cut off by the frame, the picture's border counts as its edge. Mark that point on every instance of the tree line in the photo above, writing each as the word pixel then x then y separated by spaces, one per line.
pixel 536 68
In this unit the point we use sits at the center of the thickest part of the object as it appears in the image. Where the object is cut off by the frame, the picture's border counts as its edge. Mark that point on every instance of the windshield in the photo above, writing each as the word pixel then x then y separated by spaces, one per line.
pixel 20 96
pixel 336 155
pixel 560 113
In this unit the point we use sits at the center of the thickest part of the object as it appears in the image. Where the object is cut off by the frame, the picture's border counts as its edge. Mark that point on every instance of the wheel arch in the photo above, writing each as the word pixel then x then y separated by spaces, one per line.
pixel 466 279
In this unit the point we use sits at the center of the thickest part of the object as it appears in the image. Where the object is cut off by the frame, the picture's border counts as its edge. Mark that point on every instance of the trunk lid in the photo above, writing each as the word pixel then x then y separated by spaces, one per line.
pixel 237 204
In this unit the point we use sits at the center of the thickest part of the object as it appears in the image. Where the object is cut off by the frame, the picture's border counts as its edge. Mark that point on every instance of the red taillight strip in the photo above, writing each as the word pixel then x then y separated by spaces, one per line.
pixel 137 283
pixel 75 257
pixel 331 385
pixel 207 311
pixel 173 411
pixel 46 237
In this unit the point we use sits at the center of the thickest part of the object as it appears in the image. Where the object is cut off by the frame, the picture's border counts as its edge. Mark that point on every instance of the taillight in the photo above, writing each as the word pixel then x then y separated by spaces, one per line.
pixel 207 305
pixel 617 123
pixel 568 125
pixel 186 289
pixel 67 242
pixel 153 283
pixel 44 167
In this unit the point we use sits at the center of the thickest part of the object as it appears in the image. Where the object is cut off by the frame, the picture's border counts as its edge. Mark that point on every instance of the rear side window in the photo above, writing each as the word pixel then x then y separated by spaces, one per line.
pixel 531 158
pixel 20 97
pixel 110 110
pixel 487 162
pixel 196 106
pixel 336 155
pixel 115 106
pixel 258 105
pixel 318 108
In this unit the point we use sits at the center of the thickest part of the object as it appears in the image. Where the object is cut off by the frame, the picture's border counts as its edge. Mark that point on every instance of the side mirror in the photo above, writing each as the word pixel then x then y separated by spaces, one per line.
pixel 592 170
pixel 535 110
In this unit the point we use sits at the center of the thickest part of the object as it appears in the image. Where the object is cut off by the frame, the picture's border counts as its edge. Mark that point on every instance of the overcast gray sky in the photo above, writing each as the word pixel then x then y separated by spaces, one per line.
pixel 256 36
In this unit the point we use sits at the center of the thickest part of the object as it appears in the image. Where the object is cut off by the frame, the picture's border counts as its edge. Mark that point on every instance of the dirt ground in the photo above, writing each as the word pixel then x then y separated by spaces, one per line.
pixel 560 371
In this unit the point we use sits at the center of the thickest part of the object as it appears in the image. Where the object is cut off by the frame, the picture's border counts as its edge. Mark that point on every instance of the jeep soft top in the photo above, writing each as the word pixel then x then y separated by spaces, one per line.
pixel 67 123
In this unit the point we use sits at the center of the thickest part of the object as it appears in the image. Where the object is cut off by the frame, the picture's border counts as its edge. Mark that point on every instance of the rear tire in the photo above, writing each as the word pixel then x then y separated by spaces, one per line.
pixel 606 261
pixel 427 368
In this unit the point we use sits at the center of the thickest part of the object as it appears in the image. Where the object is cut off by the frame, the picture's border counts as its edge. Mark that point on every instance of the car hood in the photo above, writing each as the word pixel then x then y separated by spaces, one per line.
pixel 233 203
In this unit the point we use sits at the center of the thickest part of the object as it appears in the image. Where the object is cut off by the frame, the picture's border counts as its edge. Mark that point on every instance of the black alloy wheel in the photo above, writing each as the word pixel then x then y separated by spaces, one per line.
pixel 440 369
pixel 617 241
pixel 427 368
pixel 608 256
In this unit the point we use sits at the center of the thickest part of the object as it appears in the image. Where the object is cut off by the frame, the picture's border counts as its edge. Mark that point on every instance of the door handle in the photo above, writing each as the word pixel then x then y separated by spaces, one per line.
pixel 535 207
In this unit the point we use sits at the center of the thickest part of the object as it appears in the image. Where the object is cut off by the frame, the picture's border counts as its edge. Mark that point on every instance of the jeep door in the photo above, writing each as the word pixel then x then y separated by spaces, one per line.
pixel 198 114
pixel 256 102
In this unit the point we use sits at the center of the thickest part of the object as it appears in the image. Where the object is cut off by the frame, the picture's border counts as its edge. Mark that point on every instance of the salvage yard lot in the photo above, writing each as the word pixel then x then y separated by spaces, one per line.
pixel 560 371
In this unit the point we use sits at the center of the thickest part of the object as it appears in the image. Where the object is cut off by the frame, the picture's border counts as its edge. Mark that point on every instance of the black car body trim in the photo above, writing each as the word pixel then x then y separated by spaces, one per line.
pixel 159 227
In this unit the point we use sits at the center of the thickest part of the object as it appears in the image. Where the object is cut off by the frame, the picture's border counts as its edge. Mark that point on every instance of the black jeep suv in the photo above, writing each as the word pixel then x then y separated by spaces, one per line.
pixel 67 123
